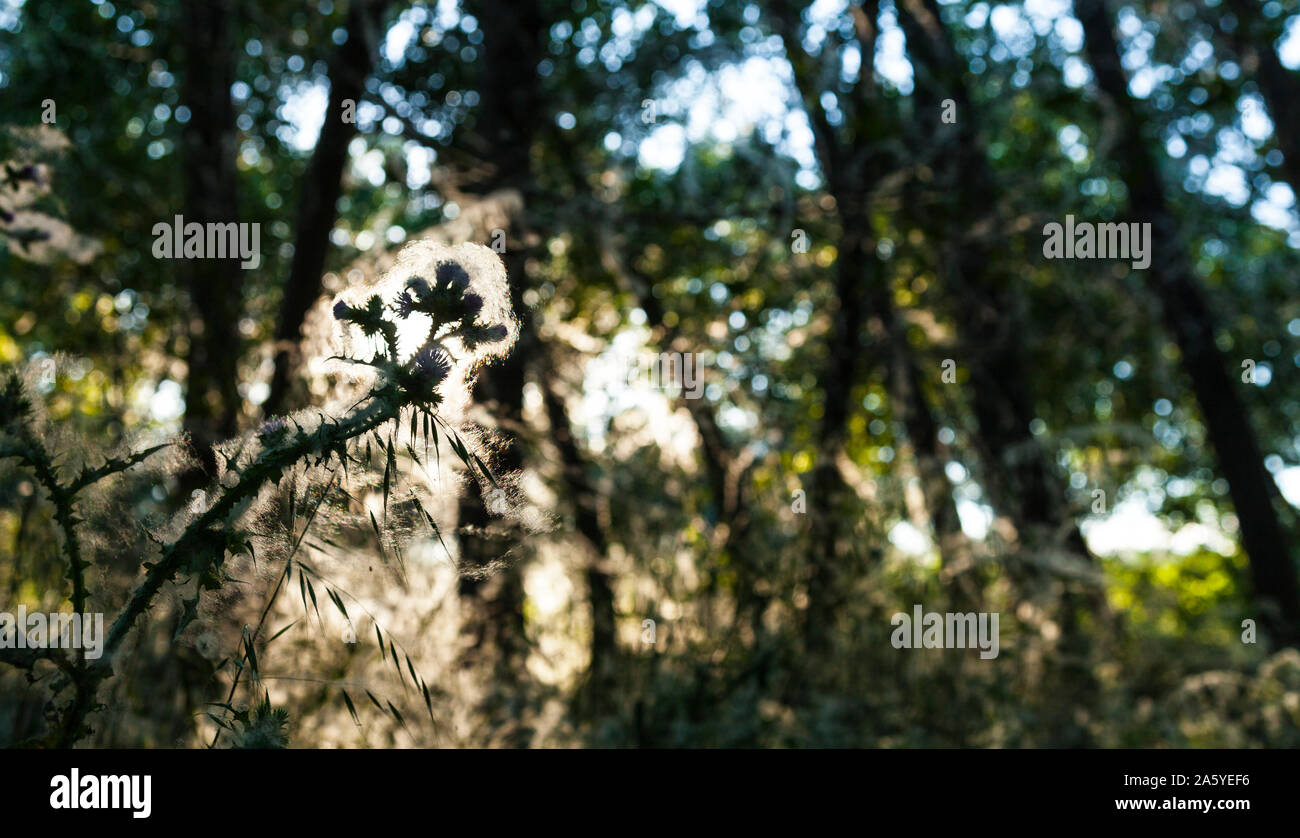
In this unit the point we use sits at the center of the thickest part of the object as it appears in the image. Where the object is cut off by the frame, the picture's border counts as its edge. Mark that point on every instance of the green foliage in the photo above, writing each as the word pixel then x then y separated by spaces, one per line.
pixel 684 507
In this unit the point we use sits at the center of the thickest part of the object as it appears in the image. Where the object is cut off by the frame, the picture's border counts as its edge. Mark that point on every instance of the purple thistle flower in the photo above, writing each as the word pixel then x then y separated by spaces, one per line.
pixel 432 365
pixel 405 305
pixel 452 274
pixel 274 426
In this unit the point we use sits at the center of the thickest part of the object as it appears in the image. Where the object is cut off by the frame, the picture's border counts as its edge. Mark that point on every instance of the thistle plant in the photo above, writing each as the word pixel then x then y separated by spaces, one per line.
pixel 408 343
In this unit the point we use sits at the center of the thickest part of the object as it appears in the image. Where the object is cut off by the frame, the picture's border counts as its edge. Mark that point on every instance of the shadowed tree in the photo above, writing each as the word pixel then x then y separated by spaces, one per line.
pixel 983 298
pixel 503 137
pixel 856 158
pixel 321 186
pixel 1190 321
pixel 212 401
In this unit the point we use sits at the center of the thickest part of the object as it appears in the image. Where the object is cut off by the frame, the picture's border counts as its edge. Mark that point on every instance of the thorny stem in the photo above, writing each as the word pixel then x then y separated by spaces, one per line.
pixel 34 454
pixel 36 457
pixel 201 546
pixel 198 540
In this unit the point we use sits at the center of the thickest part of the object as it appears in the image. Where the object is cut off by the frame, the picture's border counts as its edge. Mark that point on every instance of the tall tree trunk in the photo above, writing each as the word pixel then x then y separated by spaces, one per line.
pixel 585 501
pixel 850 165
pixel 511 109
pixel 1189 319
pixel 923 434
pixel 856 269
pixel 322 184
pixel 1021 478
pixel 212 402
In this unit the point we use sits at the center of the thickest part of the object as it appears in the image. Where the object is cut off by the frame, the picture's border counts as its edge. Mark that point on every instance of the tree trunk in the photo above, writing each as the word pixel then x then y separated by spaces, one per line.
pixel 212 402
pixel 322 184
pixel 851 165
pixel 585 501
pixel 1189 319
pixel 1020 479
pixel 509 113
pixel 857 268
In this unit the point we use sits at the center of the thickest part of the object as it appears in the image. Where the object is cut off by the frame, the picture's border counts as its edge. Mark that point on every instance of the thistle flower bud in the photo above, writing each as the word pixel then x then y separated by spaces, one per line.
pixel 273 427
pixel 432 365
pixel 406 305
pixel 453 275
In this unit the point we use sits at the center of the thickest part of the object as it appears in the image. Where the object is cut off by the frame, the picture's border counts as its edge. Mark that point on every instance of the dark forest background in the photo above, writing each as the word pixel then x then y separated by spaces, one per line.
pixel 905 402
